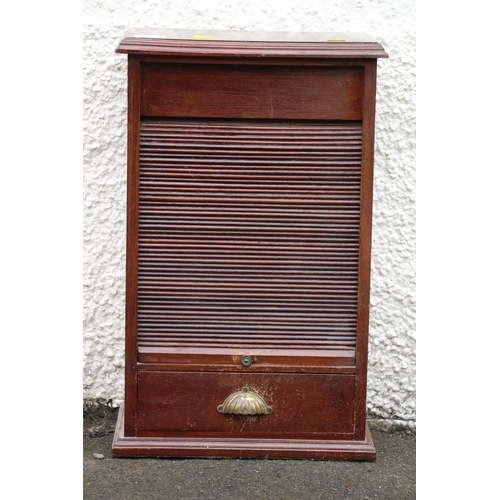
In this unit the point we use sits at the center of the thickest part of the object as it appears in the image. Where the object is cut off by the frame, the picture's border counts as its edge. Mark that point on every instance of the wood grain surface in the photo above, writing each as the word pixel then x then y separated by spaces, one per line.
pixel 250 176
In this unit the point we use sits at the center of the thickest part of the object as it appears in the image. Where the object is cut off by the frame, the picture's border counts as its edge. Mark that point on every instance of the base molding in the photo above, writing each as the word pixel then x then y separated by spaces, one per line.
pixel 239 447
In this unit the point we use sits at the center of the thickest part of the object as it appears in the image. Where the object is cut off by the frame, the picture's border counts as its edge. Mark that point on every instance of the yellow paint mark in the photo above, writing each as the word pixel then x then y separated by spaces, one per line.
pixel 335 40
pixel 202 37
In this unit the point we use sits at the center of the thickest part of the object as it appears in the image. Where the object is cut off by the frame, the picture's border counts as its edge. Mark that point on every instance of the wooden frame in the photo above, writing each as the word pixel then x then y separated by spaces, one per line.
pixel 289 80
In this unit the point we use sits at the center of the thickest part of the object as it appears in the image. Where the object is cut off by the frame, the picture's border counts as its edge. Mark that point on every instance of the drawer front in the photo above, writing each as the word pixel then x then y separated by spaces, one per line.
pixel 302 406
pixel 258 92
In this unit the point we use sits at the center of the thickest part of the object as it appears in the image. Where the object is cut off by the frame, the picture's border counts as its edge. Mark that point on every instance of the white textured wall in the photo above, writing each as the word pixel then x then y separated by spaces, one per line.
pixel 391 378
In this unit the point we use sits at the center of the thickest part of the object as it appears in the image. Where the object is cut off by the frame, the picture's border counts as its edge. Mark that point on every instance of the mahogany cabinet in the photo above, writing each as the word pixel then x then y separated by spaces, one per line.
pixel 250 167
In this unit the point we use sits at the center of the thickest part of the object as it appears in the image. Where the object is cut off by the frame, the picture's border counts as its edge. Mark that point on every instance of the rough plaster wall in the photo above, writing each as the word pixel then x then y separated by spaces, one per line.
pixel 391 378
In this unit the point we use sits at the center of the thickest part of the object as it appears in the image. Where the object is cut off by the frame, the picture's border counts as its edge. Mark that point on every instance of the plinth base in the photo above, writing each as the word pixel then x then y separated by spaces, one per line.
pixel 238 447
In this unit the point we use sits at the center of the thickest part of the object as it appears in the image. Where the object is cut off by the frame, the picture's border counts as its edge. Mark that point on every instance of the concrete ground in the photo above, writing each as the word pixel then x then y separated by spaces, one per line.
pixel 391 476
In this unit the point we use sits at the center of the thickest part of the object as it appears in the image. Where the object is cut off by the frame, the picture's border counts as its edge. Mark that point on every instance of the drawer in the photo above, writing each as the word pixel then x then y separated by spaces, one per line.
pixel 299 405
pixel 257 92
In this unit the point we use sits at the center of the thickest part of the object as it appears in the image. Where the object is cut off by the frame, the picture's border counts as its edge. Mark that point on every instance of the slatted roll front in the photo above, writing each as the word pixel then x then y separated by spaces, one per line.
pixel 248 234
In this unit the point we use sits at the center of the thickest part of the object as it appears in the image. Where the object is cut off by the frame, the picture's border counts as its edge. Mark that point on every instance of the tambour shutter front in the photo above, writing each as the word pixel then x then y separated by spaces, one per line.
pixel 248 234
pixel 249 215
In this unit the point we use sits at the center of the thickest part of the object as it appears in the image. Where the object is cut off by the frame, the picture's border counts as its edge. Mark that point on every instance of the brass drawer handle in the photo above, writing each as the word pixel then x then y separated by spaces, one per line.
pixel 245 402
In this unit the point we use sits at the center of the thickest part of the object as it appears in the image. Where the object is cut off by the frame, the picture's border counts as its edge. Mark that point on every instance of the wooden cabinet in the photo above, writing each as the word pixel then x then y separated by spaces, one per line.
pixel 250 167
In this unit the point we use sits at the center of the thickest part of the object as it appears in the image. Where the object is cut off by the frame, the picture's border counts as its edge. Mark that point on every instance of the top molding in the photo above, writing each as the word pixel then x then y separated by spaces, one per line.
pixel 215 43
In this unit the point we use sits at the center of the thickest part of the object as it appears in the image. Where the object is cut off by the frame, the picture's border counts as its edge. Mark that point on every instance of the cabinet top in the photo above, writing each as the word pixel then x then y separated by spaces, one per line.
pixel 216 43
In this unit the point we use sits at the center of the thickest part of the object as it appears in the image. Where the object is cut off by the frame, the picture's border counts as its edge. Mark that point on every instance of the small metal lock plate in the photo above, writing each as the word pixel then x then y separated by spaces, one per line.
pixel 246 360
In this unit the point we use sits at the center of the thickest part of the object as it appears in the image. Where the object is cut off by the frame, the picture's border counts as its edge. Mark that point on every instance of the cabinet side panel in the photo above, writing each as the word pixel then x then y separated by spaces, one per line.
pixel 132 245
pixel 365 247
